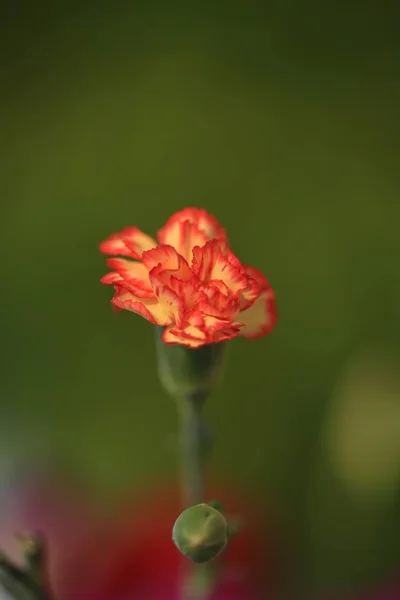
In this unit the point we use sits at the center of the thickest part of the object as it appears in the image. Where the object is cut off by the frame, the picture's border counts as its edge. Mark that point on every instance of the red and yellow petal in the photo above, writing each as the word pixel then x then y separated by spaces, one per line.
pixel 151 309
pixel 130 242
pixel 212 263
pixel 165 255
pixel 194 337
pixel 190 236
pixel 220 286
pixel 205 222
pixel 229 274
pixel 173 305
pixel 217 327
pixel 191 332
pixel 218 304
pixel 134 276
pixel 164 262
pixel 198 329
pixel 111 278
pixel 184 236
pixel 204 257
pixel 256 284
pixel 116 280
pixel 261 317
pixel 257 276
pixel 189 336
pixel 250 294
pixel 187 291
pixel 171 280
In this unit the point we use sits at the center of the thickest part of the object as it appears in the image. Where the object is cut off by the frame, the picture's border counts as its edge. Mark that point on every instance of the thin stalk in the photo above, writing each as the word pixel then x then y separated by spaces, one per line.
pixel 192 449
pixel 197 580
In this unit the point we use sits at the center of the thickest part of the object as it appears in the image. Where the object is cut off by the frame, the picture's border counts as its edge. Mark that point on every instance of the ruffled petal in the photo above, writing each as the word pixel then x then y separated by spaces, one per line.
pixel 170 277
pixel 151 309
pixel 256 283
pixel 166 255
pixel 231 275
pixel 172 304
pixel 261 317
pixel 164 262
pixel 111 278
pixel 219 304
pixel 188 292
pixel 205 222
pixel 221 329
pixel 219 285
pixel 184 236
pixel 131 275
pixel 130 242
pixel 211 263
pixel 190 336
pixel 211 330
pixel 190 237
pixel 204 257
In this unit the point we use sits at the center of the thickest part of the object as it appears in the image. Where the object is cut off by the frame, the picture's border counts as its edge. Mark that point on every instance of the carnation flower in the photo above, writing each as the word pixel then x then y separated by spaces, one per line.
pixel 190 283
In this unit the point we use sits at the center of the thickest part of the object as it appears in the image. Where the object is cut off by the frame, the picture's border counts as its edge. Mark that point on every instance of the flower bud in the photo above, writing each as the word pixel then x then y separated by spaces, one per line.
pixel 200 533
pixel 187 371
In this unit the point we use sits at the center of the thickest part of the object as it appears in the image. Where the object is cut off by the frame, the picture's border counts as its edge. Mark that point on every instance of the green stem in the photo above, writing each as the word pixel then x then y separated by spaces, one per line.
pixel 192 449
pixel 198 580
pixel 190 375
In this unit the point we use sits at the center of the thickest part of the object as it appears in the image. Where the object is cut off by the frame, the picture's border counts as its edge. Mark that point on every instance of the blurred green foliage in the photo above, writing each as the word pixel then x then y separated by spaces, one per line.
pixel 281 118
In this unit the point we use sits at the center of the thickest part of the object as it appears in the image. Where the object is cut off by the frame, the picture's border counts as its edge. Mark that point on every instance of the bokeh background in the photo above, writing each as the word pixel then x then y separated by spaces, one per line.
pixel 282 119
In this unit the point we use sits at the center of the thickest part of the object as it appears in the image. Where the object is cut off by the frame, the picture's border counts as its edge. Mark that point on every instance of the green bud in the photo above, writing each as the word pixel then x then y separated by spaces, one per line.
pixel 188 371
pixel 200 533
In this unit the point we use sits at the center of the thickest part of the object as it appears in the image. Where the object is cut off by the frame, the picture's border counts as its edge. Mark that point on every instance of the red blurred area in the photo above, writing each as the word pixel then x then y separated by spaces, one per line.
pixel 131 555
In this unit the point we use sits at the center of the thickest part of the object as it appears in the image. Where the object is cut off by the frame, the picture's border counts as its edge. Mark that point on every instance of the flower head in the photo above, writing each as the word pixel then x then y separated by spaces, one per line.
pixel 191 283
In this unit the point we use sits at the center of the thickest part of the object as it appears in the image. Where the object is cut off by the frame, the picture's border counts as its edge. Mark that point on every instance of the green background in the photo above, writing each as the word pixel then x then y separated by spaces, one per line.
pixel 281 119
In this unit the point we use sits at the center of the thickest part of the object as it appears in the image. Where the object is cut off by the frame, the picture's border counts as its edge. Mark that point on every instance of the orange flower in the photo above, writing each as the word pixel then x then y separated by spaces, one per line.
pixel 191 283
